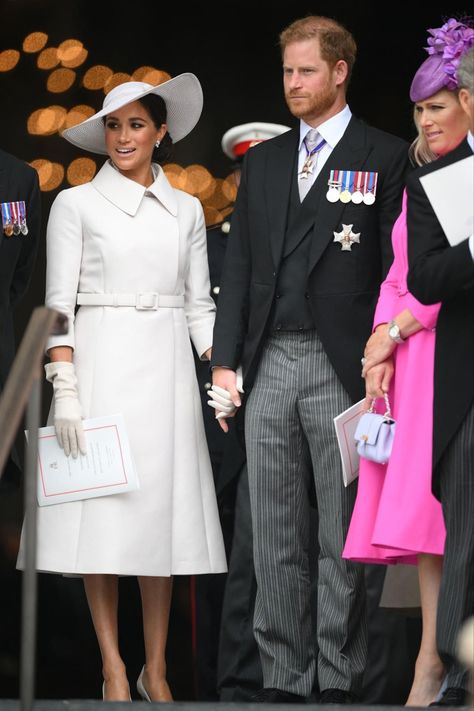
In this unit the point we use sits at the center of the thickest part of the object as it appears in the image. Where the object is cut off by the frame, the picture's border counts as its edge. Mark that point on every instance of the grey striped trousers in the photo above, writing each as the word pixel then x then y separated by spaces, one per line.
pixel 456 596
pixel 291 407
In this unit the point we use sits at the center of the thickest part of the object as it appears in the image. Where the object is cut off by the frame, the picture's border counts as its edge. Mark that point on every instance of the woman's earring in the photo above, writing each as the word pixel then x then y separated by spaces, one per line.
pixel 157 144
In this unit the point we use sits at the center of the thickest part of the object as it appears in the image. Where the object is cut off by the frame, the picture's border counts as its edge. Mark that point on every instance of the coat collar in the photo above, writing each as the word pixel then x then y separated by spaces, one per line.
pixel 127 195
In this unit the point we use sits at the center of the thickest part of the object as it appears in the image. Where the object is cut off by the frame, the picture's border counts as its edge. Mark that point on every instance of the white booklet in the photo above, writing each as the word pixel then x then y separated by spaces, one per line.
pixel 345 425
pixel 106 469
pixel 450 191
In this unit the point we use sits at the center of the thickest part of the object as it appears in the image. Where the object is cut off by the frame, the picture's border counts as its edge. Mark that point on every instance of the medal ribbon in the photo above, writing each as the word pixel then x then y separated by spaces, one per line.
pixel 6 219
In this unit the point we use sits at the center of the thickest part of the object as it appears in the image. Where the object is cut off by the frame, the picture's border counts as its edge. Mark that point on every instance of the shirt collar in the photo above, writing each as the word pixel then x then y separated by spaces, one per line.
pixel 470 140
pixel 331 130
pixel 127 194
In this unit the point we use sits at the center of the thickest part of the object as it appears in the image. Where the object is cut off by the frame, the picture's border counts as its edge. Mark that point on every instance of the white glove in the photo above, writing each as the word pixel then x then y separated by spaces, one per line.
pixel 67 409
pixel 221 399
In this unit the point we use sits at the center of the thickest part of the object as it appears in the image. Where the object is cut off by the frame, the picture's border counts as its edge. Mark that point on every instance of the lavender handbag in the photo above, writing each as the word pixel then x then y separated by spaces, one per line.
pixel 375 433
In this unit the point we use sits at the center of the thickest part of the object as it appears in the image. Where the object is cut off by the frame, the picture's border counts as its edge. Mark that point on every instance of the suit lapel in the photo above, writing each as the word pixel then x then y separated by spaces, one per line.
pixel 278 188
pixel 349 154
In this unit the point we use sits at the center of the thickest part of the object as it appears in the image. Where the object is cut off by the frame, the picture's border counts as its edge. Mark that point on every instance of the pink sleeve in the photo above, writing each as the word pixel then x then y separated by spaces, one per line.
pixel 388 297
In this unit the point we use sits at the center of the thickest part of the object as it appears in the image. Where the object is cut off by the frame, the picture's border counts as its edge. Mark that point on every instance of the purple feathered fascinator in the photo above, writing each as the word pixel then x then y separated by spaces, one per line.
pixel 446 47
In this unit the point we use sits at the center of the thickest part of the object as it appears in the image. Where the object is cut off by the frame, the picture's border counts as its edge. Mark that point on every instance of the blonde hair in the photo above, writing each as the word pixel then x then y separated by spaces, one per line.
pixel 420 153
pixel 335 42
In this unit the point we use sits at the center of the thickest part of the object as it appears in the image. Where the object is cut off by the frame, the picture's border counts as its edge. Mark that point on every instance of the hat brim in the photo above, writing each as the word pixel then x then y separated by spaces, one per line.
pixel 182 96
pixel 257 131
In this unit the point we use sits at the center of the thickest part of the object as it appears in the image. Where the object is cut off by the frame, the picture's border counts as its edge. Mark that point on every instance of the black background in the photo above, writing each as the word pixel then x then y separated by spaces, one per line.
pixel 233 50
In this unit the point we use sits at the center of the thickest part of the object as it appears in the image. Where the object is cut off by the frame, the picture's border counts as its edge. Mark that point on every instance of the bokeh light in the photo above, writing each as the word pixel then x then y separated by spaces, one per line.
pixel 9 59
pixel 50 174
pixel 78 113
pixel 48 58
pixel 45 122
pixel 81 171
pixel 115 80
pixel 96 77
pixel 34 42
pixel 176 175
pixel 60 80
pixel 229 188
pixel 71 53
pixel 150 75
pixel 199 182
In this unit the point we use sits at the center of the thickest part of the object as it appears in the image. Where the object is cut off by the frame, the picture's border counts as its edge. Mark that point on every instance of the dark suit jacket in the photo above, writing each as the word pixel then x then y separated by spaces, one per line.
pixel 439 272
pixel 342 286
pixel 18 181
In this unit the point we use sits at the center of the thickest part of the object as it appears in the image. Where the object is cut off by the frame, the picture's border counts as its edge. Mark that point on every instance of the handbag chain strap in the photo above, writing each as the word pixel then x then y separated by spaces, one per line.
pixel 388 410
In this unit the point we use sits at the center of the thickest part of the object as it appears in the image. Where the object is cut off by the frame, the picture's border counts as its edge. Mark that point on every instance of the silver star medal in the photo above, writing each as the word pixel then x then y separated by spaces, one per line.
pixel 346 237
pixel 307 168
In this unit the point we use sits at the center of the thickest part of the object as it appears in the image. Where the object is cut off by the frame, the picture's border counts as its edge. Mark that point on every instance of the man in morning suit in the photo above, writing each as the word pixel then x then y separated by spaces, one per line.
pixel 441 272
pixel 308 248
pixel 20 206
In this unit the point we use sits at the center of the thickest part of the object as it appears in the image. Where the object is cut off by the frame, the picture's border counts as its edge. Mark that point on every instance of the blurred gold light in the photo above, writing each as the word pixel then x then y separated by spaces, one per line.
pixel 45 122
pixel 60 80
pixel 211 215
pixel 199 181
pixel 150 75
pixel 218 199
pixel 77 114
pixel 71 53
pixel 8 59
pixel 115 80
pixel 81 171
pixel 48 58
pixel 34 42
pixel 50 174
pixel 176 175
pixel 97 76
pixel 229 188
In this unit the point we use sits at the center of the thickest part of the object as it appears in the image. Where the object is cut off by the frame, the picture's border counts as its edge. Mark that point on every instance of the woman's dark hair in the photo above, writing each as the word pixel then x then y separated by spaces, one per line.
pixel 156 107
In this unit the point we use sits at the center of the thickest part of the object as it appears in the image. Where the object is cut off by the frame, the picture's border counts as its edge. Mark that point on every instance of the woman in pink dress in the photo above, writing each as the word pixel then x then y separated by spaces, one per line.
pixel 396 518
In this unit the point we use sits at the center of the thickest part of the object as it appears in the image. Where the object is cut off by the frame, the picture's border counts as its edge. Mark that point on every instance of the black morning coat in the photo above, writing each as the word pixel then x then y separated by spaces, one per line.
pixel 18 181
pixel 342 286
pixel 439 272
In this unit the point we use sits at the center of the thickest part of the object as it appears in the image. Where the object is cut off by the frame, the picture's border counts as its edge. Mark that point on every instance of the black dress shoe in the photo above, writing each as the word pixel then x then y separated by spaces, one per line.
pixel 336 696
pixel 453 696
pixel 276 696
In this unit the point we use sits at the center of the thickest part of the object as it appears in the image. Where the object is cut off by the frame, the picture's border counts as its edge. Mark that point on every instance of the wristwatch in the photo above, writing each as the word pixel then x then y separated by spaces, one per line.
pixel 394 332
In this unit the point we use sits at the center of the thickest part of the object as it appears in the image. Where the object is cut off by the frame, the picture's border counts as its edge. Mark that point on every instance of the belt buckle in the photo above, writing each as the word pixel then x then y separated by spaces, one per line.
pixel 143 298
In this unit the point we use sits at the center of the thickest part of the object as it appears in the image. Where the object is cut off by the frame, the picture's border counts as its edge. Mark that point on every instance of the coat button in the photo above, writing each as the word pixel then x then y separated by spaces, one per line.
pixel 277 296
pixel 278 328
pixel 207 386
pixel 216 289
pixel 225 227
pixel 306 296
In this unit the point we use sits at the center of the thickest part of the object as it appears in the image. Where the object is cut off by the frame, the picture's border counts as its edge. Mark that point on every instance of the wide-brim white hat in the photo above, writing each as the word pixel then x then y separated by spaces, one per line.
pixel 182 96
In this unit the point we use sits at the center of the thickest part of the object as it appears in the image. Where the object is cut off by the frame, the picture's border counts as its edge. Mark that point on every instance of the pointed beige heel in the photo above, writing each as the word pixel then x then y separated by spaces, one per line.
pixel 141 687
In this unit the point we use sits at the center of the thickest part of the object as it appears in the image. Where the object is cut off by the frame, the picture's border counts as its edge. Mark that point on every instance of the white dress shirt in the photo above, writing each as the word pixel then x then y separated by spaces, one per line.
pixel 332 131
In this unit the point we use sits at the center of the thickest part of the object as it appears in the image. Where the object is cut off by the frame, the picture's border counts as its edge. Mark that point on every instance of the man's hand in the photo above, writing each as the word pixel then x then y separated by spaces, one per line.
pixel 225 398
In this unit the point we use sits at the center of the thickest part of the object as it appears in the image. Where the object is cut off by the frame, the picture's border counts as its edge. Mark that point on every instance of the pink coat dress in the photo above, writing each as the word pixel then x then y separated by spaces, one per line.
pixel 395 515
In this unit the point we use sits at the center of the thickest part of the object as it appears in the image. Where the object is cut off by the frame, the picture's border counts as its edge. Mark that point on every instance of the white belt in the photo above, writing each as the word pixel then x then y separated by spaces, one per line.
pixel 143 301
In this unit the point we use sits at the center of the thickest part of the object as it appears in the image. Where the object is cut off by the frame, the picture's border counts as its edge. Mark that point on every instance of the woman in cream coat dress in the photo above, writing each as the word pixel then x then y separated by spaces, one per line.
pixel 129 238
